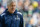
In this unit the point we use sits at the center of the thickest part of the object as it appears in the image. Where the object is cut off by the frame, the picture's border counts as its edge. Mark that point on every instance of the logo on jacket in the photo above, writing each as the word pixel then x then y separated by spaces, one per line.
pixel 17 18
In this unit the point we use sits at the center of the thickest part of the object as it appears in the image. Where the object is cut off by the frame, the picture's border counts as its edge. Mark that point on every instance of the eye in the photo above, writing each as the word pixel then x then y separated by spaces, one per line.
pixel 13 5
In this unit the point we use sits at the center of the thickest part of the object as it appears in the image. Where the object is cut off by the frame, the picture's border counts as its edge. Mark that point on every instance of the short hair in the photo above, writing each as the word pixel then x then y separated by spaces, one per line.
pixel 9 1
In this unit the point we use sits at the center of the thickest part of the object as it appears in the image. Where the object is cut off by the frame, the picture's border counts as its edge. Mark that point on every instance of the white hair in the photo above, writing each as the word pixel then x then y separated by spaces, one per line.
pixel 9 1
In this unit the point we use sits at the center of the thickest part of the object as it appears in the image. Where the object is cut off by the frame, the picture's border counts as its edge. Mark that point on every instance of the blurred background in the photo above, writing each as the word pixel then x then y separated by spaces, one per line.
pixel 30 10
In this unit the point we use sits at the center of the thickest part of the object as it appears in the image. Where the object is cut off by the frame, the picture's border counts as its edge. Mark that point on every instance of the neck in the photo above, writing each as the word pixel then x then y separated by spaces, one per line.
pixel 11 11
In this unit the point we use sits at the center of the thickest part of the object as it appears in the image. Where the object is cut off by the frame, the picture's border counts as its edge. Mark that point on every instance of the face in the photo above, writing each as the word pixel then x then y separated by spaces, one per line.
pixel 12 7
pixel 31 7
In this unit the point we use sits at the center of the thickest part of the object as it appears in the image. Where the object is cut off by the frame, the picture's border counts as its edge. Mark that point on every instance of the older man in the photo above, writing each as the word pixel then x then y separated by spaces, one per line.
pixel 11 17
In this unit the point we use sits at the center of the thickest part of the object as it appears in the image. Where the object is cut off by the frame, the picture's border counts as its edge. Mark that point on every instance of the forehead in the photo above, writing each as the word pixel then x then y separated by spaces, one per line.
pixel 13 3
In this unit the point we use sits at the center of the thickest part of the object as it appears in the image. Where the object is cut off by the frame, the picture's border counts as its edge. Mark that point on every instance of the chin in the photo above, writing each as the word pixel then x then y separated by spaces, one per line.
pixel 13 11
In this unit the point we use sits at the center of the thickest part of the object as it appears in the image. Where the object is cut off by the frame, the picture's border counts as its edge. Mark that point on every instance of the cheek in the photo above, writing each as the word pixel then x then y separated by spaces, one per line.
pixel 15 7
pixel 10 8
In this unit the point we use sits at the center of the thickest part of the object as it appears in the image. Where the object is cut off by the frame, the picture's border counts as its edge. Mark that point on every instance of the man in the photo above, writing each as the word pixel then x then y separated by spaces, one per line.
pixel 34 19
pixel 11 18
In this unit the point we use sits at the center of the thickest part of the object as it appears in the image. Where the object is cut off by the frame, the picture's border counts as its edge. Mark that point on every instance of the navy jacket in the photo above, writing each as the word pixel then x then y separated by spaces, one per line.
pixel 12 20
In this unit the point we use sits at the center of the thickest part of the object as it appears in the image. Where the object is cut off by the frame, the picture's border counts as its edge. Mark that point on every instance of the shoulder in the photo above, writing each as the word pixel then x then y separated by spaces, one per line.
pixel 3 14
pixel 19 13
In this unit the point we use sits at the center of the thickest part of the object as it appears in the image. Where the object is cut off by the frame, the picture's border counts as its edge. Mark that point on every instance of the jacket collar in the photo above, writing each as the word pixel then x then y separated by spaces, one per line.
pixel 6 11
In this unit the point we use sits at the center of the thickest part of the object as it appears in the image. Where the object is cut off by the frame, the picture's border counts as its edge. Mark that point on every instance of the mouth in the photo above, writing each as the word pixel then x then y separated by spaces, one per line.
pixel 13 9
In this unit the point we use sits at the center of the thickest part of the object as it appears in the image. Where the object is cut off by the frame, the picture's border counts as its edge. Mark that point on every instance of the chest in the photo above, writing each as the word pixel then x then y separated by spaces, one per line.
pixel 14 19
